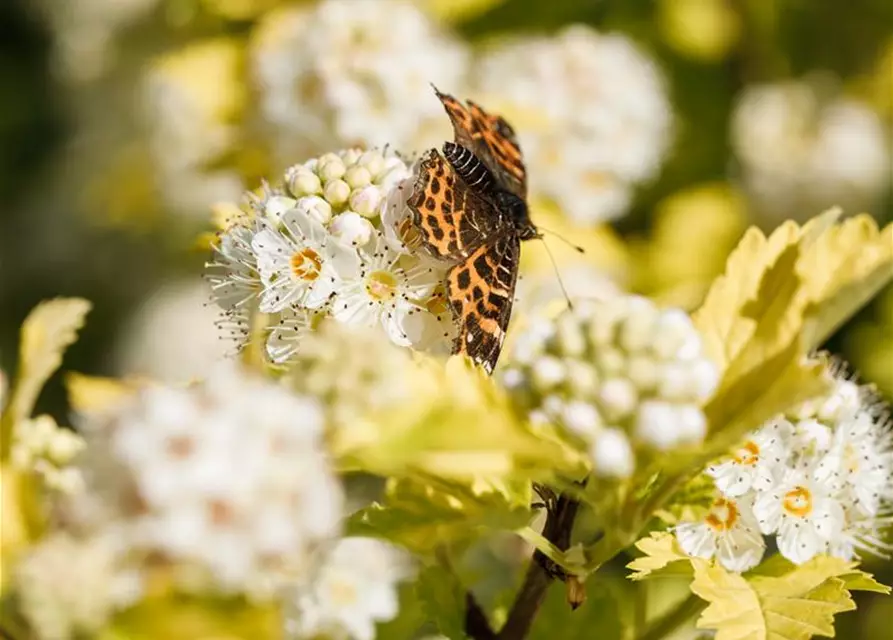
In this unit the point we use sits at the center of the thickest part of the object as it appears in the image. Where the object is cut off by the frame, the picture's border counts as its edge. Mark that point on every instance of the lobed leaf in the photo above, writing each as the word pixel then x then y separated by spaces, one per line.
pixel 459 428
pixel 791 603
pixel 47 331
pixel 662 555
pixel 842 271
pixel 443 600
pixel 422 517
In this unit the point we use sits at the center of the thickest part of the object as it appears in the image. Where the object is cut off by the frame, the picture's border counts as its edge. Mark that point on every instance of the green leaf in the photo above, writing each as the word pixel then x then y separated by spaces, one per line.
pixel 663 557
pixel 789 605
pixel 598 617
pixel 460 427
pixel 443 601
pixel 409 620
pixel 422 517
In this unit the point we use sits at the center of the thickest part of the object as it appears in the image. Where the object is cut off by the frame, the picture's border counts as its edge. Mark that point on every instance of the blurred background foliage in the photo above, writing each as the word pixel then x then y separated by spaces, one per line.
pixel 100 201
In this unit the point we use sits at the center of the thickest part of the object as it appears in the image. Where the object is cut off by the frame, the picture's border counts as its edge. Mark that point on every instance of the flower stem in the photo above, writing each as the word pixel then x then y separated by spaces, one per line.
pixel 542 571
pixel 673 619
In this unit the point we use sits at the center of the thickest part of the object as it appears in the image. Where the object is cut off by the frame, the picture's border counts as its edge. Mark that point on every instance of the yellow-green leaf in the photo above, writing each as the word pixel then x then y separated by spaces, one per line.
pixel 459 10
pixel 789 605
pixel 785 380
pixel 720 319
pixel 443 600
pixel 863 581
pixel 662 553
pixel 843 270
pixel 89 394
pixel 422 517
pixel 458 427
pixel 47 331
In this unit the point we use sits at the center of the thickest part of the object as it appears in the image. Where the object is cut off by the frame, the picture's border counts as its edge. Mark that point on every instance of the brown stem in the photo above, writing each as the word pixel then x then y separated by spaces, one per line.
pixel 476 624
pixel 542 571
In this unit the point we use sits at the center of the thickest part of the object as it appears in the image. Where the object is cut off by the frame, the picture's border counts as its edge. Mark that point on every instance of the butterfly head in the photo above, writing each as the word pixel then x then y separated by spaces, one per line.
pixel 517 209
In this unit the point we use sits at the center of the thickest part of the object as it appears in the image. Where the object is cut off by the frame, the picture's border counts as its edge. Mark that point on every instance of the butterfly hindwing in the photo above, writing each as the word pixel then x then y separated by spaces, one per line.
pixel 453 220
pixel 481 291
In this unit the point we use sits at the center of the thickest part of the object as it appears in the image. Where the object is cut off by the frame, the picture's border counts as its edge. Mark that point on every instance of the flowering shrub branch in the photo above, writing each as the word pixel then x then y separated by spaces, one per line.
pixel 613 426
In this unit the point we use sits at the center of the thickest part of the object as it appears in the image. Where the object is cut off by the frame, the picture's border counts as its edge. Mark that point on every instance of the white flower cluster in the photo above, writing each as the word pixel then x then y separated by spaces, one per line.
pixel 801 149
pixel 617 373
pixel 354 72
pixel 172 337
pixel 354 371
pixel 820 480
pixel 40 445
pixel 227 480
pixel 355 587
pixel 68 587
pixel 591 112
pixel 329 244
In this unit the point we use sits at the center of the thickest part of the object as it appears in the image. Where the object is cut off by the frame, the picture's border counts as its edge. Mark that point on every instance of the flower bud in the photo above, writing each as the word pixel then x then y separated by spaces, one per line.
pixel 351 228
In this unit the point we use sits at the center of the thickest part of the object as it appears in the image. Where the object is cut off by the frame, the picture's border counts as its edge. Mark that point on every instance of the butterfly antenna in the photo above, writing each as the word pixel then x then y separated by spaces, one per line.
pixel 570 304
pixel 573 246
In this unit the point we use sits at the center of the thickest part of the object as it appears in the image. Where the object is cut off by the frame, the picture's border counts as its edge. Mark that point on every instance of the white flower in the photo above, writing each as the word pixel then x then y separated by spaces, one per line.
pixel 802 145
pixel 802 514
pixel 289 332
pixel 617 366
pixel 354 370
pixel 729 532
pixel 382 291
pixel 756 464
pixel 40 446
pixel 233 275
pixel 863 534
pixel 612 454
pixel 352 229
pixel 353 72
pixel 355 588
pixel 859 463
pixel 591 113
pixel 173 337
pixel 227 477
pixel 69 587
pixel 300 264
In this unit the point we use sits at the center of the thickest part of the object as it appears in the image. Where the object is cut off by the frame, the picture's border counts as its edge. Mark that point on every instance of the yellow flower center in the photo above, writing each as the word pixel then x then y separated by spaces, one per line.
pixel 381 286
pixel 343 593
pixel 798 502
pixel 748 454
pixel 306 264
pixel 723 515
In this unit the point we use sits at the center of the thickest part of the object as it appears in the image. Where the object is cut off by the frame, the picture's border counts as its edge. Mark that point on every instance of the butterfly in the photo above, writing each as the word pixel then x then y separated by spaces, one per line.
pixel 469 208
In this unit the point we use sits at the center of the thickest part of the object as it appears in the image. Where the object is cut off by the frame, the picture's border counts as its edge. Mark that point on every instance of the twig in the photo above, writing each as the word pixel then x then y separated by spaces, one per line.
pixel 476 624
pixel 542 571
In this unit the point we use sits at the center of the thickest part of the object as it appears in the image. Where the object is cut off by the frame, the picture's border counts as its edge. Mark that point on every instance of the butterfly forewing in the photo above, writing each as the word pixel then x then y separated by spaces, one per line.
pixel 491 139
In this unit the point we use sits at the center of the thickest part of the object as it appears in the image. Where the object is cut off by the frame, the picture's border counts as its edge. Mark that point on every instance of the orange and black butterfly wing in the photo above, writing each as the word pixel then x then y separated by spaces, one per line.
pixel 452 219
pixel 492 139
pixel 481 291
